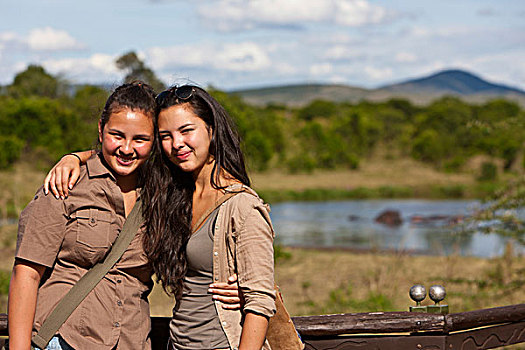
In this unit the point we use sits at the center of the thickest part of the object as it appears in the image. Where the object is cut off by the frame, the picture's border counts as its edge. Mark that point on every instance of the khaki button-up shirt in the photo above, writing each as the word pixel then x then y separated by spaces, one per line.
pixel 69 236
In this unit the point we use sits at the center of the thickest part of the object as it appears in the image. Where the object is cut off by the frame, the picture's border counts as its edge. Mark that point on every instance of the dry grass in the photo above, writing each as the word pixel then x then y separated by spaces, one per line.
pixel 309 276
pixel 17 187
pixel 371 174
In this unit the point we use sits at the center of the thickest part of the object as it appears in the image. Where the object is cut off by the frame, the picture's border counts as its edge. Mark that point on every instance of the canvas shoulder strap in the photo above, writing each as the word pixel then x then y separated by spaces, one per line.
pixel 85 285
pixel 210 210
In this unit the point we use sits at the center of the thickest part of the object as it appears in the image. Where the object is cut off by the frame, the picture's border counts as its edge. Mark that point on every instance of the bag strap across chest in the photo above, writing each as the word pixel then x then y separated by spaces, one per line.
pixel 85 285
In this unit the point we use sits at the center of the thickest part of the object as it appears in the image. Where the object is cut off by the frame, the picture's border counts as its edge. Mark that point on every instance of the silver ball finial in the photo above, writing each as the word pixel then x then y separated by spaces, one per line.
pixel 418 293
pixel 437 293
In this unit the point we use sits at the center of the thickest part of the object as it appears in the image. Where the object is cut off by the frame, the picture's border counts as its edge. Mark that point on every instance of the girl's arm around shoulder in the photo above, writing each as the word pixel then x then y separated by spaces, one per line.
pixel 64 175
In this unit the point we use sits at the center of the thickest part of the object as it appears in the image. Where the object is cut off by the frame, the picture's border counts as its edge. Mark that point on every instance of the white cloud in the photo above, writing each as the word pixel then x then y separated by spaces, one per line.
pixel 237 57
pixel 378 73
pixel 8 36
pixel 96 68
pixel 229 15
pixel 51 39
pixel 405 57
pixel 40 39
pixel 358 13
pixel 321 69
pixel 342 52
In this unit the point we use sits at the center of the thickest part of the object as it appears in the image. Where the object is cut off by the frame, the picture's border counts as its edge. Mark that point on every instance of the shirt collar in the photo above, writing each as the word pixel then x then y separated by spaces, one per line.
pixel 97 168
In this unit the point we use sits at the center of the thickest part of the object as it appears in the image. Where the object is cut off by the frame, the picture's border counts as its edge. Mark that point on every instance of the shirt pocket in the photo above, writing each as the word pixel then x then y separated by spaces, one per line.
pixel 93 228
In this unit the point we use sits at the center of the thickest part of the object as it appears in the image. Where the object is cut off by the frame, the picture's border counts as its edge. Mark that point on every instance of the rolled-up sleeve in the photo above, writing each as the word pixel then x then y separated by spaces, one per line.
pixel 254 260
pixel 41 230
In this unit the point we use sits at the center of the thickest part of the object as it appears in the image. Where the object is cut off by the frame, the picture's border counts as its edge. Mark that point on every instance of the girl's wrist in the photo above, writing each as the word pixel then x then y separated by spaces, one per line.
pixel 74 155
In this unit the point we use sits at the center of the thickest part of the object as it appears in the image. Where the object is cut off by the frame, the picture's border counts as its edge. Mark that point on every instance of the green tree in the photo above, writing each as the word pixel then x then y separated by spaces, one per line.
pixel 317 108
pixel 88 102
pixel 35 81
pixel 44 123
pixel 11 147
pixel 137 70
pixel 261 130
pixel 428 147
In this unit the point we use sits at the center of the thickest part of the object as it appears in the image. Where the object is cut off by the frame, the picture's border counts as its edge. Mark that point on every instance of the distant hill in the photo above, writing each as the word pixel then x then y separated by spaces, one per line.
pixel 451 82
pixel 465 85
pixel 300 94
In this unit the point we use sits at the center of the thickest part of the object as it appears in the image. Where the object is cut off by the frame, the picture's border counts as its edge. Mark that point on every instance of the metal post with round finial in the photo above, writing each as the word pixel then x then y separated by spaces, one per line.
pixel 418 293
pixel 437 293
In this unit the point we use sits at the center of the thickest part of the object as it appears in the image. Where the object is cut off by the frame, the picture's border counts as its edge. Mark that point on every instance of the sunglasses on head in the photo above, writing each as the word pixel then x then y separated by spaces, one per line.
pixel 183 93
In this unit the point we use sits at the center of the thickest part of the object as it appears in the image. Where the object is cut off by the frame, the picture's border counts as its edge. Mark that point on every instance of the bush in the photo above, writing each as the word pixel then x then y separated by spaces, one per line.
pixel 455 164
pixel 301 163
pixel 11 147
pixel 488 172
pixel 318 108
pixel 428 147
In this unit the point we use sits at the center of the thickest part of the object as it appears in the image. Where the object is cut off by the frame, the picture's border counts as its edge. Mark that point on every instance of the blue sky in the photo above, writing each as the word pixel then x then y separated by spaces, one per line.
pixel 239 43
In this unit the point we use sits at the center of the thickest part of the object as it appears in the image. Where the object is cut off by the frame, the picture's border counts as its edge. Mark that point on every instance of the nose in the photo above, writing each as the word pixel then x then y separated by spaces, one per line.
pixel 127 147
pixel 178 142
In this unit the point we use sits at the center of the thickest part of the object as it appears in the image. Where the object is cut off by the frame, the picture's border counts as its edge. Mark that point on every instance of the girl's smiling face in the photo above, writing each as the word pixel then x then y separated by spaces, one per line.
pixel 127 139
pixel 185 137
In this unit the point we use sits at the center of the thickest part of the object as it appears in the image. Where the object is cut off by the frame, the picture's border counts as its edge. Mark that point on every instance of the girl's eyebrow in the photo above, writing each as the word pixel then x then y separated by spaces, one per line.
pixel 186 125
pixel 121 132
pixel 179 128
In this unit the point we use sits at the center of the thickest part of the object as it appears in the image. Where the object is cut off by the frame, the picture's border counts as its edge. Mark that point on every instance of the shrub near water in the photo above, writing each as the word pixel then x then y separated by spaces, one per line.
pixel 489 172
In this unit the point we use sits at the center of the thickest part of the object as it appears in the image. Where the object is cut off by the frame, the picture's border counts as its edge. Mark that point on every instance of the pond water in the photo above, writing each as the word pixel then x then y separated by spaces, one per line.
pixel 425 227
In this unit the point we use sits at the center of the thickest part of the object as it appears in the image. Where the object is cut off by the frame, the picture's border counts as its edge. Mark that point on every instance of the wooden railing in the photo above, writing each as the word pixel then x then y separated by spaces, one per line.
pixel 480 329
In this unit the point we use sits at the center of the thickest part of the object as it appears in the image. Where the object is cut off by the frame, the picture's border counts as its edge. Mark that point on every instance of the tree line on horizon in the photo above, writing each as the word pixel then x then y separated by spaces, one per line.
pixel 42 117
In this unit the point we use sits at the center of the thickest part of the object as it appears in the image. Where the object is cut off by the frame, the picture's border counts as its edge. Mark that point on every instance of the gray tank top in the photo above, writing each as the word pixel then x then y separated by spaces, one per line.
pixel 195 323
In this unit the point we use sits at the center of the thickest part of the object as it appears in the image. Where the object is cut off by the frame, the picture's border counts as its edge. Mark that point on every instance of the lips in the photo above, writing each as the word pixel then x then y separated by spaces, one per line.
pixel 126 161
pixel 182 155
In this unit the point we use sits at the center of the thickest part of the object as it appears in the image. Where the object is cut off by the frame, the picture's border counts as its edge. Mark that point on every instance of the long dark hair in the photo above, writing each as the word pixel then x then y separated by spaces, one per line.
pixel 168 192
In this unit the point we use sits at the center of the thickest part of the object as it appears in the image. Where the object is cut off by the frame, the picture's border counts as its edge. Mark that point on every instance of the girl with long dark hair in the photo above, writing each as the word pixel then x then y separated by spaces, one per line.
pixel 202 162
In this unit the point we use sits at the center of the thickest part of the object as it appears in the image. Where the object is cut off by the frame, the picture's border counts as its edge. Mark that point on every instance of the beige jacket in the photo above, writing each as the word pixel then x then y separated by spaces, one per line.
pixel 243 244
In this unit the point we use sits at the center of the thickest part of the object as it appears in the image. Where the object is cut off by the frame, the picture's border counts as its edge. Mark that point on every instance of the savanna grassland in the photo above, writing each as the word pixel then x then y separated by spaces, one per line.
pixel 320 151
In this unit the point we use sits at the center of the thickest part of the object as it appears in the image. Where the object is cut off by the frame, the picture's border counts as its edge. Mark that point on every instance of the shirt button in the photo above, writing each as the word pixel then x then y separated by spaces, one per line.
pixel 92 220
pixel 36 197
pixel 215 253
pixel 119 303
pixel 216 278
pixel 119 281
pixel 117 324
pixel 224 323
